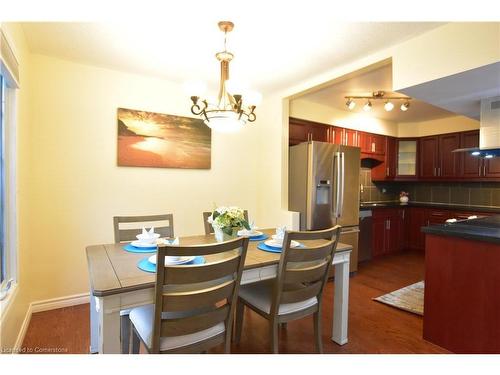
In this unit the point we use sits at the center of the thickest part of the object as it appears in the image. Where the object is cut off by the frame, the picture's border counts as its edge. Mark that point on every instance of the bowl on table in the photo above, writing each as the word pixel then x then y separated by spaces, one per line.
pixel 148 238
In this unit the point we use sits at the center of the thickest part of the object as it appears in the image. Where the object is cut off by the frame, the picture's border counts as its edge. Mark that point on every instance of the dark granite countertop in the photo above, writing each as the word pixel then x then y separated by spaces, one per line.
pixel 481 229
pixel 449 206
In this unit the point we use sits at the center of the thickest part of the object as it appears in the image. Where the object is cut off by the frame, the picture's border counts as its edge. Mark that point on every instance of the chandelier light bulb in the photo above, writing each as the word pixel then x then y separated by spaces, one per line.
pixel 368 106
pixel 350 104
pixel 405 106
pixel 388 106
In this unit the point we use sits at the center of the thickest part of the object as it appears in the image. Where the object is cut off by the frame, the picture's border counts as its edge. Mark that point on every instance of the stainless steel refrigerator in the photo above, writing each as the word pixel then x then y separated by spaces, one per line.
pixel 323 186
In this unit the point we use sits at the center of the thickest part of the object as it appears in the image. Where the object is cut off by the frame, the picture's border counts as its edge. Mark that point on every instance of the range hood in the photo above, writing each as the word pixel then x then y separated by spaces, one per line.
pixel 489 130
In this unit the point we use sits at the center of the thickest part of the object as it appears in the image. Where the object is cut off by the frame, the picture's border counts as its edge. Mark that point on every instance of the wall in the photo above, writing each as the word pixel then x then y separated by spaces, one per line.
pixel 439 126
pixel 446 50
pixel 308 110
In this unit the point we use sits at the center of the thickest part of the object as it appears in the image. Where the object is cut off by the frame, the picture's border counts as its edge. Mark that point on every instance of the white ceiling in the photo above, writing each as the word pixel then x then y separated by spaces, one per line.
pixel 271 52
pixel 365 84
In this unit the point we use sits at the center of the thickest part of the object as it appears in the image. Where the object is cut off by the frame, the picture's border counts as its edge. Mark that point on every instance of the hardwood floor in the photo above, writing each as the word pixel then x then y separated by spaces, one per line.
pixel 373 327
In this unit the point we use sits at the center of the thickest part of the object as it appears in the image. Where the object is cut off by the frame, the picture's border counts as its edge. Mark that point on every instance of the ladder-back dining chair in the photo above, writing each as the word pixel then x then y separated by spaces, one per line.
pixel 194 304
pixel 208 226
pixel 297 290
pixel 126 228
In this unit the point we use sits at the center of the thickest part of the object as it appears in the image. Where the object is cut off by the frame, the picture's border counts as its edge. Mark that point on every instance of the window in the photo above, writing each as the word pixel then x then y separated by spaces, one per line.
pixel 9 85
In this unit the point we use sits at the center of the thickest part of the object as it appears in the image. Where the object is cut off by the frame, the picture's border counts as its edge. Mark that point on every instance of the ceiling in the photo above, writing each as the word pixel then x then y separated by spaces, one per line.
pixel 462 92
pixel 270 52
pixel 365 84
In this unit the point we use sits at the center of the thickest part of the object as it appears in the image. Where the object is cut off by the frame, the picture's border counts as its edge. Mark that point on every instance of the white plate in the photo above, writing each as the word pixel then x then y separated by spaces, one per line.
pixel 279 245
pixel 143 244
pixel 148 236
pixel 169 262
pixel 255 233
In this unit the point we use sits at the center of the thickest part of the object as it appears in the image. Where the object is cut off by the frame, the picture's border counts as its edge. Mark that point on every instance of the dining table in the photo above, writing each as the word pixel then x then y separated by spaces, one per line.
pixel 117 284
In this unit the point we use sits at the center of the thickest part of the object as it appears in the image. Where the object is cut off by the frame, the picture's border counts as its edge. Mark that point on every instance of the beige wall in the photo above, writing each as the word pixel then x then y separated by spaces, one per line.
pixel 308 110
pixel 439 126
pixel 446 50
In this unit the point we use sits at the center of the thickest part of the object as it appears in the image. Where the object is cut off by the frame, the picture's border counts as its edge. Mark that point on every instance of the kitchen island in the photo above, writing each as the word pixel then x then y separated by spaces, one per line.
pixel 462 285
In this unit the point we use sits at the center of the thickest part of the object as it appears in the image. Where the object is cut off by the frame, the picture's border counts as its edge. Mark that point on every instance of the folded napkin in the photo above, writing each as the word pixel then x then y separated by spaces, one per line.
pixel 280 233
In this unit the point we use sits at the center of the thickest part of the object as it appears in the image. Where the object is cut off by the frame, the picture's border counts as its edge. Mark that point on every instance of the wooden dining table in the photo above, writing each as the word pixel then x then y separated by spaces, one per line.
pixel 117 284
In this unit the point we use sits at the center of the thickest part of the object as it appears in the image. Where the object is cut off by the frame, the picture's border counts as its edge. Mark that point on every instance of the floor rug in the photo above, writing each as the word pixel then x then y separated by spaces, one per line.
pixel 410 298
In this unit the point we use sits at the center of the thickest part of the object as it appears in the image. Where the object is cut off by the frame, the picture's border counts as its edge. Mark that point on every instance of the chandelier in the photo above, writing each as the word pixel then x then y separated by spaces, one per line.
pixel 232 109
pixel 379 95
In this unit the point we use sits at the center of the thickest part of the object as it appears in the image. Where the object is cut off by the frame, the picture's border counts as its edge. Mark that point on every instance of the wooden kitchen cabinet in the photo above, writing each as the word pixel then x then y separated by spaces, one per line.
pixel 428 160
pixel 417 220
pixel 470 165
pixel 386 170
pixel 406 158
pixel 449 162
pixel 304 131
pixel 388 231
pixel 336 135
pixel 350 137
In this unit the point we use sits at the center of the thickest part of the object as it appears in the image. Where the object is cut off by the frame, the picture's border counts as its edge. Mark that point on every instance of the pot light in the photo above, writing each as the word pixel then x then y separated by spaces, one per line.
pixel 405 106
pixel 368 106
pixel 388 106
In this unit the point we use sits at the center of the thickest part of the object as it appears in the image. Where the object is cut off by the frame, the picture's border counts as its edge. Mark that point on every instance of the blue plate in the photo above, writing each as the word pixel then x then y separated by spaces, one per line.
pixel 146 265
pixel 259 238
pixel 263 246
pixel 133 249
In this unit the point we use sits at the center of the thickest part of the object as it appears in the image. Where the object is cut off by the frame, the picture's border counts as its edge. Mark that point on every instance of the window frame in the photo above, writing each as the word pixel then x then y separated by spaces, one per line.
pixel 9 186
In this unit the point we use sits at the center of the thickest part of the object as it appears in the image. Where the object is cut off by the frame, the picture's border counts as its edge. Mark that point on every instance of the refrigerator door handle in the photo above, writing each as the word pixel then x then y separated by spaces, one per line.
pixel 336 168
pixel 342 176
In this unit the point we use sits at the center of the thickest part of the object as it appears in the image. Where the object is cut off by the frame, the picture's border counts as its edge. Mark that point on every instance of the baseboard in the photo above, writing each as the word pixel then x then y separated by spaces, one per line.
pixel 59 303
pixel 45 305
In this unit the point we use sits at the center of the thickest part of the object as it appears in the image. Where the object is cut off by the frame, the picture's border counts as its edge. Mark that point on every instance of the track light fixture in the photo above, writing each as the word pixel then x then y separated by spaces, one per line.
pixel 378 95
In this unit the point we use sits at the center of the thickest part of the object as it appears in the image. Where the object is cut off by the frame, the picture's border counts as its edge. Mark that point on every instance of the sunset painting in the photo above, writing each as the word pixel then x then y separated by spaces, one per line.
pixel 147 139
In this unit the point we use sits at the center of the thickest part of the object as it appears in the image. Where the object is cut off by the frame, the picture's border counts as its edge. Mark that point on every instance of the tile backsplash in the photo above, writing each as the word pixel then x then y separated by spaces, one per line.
pixel 468 193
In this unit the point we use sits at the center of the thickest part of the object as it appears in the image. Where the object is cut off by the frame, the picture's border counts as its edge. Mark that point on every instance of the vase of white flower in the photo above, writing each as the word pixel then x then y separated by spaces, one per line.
pixel 226 222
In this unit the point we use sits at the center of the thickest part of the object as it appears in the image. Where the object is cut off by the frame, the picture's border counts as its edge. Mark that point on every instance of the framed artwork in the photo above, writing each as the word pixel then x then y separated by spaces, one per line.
pixel 148 139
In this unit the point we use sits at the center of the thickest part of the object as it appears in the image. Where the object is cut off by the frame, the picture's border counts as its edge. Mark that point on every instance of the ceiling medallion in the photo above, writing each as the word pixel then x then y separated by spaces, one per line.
pixel 234 107
pixel 379 95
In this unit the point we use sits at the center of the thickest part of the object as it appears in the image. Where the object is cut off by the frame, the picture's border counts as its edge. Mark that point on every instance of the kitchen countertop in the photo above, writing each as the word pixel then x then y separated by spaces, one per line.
pixel 481 229
pixel 449 206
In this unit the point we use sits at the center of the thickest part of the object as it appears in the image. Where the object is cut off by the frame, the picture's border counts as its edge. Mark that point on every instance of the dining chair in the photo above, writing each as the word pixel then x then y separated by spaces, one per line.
pixel 133 223
pixel 125 229
pixel 297 290
pixel 208 227
pixel 194 304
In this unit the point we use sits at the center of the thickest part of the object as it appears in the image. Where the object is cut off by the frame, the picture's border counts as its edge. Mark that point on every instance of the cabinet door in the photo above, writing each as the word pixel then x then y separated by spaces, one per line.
pixel 364 142
pixel 297 133
pixel 390 157
pixel 428 157
pixel 394 233
pixel 378 144
pixel 418 219
pixel 491 168
pixel 336 135
pixel 350 137
pixel 406 158
pixel 438 216
pixel 319 133
pixel 378 235
pixel 449 166
pixel 470 165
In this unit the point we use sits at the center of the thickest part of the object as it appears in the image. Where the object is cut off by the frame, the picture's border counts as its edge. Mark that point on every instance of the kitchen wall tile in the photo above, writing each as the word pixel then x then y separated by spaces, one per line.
pixel 480 197
pixel 459 195
pixel 440 194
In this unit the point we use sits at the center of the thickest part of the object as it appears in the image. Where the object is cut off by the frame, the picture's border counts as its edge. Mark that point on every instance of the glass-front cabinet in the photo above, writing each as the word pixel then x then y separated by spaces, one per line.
pixel 407 158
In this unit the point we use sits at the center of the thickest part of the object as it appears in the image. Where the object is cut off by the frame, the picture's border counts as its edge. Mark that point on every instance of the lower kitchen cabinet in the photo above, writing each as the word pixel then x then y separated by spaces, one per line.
pixel 388 231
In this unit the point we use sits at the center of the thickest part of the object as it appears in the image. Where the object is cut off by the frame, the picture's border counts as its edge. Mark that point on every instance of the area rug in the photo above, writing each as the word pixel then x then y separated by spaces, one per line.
pixel 410 298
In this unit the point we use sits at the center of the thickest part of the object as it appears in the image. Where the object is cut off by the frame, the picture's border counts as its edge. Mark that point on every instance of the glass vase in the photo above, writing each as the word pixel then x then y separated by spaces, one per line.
pixel 221 236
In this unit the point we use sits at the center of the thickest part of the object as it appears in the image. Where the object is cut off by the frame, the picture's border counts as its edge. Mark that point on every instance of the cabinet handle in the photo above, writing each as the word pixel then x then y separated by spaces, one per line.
pixel 439 171
pixel 479 173
pixel 434 171
pixel 387 172
pixel 484 170
pixel 333 141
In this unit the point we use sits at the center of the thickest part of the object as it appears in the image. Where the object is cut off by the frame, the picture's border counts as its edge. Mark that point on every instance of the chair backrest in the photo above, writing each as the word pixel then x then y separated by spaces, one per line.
pixel 192 298
pixel 133 223
pixel 208 226
pixel 303 271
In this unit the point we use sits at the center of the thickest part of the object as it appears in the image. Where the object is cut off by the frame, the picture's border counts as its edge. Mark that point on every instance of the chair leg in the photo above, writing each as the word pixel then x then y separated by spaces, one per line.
pixel 136 342
pixel 274 336
pixel 240 309
pixel 317 332
pixel 125 333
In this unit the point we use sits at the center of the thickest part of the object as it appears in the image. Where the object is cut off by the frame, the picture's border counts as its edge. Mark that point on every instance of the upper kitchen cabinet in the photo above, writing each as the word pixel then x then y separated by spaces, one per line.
pixel 437 161
pixel 304 131
pixel 471 165
pixel 386 170
pixel 406 158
